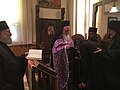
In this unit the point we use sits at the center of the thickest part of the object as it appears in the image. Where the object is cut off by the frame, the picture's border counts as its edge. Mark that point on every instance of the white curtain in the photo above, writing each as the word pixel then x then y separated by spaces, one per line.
pixel 18 15
pixel 82 19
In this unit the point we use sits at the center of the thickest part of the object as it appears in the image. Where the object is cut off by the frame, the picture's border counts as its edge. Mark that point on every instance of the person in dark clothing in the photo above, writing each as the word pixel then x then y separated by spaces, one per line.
pixel 93 36
pixel 12 68
pixel 107 63
pixel 75 58
pixel 104 65
pixel 87 48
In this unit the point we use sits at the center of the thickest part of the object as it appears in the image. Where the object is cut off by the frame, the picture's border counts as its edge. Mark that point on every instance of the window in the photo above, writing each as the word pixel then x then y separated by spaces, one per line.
pixel 83 15
pixel 9 13
pixel 18 15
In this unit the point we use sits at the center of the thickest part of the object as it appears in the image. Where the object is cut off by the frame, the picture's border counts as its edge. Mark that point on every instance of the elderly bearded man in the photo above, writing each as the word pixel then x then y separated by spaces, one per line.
pixel 12 68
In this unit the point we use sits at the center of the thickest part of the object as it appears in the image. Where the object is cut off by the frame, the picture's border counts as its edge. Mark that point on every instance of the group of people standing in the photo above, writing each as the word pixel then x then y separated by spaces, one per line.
pixel 99 68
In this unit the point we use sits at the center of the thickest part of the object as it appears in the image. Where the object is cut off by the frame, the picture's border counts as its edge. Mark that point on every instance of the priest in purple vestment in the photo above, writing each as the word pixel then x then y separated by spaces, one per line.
pixel 62 42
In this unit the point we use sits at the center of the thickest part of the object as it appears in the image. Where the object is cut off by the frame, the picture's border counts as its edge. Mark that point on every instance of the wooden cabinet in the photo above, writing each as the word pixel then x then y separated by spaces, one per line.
pixel 44 32
pixel 47 22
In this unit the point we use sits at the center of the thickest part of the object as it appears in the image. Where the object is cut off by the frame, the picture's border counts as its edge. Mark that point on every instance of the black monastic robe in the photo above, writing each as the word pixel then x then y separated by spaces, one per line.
pixel 104 69
pixel 12 69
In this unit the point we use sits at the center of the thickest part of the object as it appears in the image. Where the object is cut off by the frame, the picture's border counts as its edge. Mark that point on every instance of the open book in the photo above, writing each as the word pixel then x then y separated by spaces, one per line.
pixel 34 54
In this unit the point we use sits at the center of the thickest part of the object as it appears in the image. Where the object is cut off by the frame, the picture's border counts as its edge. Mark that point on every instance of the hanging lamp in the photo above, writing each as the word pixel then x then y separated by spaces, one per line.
pixel 114 9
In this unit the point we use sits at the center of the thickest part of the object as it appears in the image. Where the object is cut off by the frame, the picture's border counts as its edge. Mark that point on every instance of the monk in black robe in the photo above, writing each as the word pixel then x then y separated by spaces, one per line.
pixel 104 65
pixel 93 36
pixel 12 68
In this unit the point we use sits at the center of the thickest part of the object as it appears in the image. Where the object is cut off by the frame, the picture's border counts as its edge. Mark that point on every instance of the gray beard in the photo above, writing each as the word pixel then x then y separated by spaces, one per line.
pixel 7 41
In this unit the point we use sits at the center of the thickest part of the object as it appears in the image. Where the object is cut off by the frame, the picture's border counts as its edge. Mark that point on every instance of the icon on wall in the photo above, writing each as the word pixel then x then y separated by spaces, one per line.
pixel 50 3
pixel 50 30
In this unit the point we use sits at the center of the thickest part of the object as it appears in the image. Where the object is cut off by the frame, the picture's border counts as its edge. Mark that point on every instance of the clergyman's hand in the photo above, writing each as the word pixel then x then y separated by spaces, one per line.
pixel 98 50
pixel 26 53
pixel 67 46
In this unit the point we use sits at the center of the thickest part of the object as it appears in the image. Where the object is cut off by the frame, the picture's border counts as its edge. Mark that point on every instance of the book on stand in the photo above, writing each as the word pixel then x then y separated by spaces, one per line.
pixel 34 54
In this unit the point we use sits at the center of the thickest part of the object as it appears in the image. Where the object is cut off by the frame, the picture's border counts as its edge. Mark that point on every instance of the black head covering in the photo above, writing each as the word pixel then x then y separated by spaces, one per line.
pixel 93 29
pixel 3 25
pixel 65 23
pixel 114 25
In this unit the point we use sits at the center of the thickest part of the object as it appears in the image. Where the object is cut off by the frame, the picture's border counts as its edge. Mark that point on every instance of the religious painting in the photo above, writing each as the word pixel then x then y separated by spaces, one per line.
pixel 50 3
pixel 50 30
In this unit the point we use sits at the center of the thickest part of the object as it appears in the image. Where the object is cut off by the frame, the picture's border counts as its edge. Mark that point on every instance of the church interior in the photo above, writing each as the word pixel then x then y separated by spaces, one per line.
pixel 43 17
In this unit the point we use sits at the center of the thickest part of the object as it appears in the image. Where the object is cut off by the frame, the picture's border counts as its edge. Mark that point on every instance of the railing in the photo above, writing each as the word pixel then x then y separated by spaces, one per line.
pixel 41 76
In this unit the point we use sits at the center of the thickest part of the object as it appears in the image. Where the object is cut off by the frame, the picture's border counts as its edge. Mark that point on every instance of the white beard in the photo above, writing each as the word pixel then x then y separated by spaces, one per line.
pixel 67 38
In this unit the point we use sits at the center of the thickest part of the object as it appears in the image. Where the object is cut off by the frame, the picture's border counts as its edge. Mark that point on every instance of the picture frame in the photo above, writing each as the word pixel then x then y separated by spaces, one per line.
pixel 45 29
pixel 50 3
pixel 50 30
pixel 112 19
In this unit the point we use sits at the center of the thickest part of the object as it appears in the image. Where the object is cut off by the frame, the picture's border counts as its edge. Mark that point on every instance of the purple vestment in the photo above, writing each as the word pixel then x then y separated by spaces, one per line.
pixel 60 61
